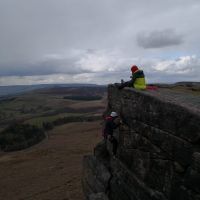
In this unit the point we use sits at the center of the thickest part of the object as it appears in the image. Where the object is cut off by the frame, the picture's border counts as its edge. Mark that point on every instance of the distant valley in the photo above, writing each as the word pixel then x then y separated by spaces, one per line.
pixel 19 89
pixel 45 108
pixel 59 125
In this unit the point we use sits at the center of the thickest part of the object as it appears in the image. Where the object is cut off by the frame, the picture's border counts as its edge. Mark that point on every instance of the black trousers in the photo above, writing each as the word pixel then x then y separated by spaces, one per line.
pixel 114 142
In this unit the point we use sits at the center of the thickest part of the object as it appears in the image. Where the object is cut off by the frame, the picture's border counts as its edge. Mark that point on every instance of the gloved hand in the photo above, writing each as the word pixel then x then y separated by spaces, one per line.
pixel 118 85
pixel 117 120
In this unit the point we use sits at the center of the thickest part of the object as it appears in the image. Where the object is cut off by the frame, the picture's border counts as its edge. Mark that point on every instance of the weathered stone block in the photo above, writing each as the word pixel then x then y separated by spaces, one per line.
pixel 162 113
pixel 160 174
pixel 196 161
pixel 95 176
pixel 180 192
pixel 127 185
pixel 192 180
pixel 178 168
pixel 158 156
pixel 101 152
pixel 137 161
pixel 170 146
pixel 98 196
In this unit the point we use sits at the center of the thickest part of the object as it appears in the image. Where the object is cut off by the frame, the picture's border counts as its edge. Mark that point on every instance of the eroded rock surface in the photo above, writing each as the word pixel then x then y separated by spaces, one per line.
pixel 159 148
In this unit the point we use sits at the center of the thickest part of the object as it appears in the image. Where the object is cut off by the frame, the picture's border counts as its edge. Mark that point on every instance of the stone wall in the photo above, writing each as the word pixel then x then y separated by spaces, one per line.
pixel 159 150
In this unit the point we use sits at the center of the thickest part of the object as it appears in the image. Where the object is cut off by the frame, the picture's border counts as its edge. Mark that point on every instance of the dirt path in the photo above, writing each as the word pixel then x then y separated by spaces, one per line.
pixel 52 169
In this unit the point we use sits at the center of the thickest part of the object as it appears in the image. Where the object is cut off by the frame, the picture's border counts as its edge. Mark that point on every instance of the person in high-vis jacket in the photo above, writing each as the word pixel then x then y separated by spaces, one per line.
pixel 137 79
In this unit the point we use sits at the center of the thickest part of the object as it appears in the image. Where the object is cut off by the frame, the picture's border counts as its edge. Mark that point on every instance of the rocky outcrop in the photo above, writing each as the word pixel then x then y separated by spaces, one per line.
pixel 96 174
pixel 159 148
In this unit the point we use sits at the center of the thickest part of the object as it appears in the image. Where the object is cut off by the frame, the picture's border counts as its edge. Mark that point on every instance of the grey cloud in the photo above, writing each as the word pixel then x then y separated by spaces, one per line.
pixel 32 29
pixel 45 67
pixel 105 77
pixel 159 39
pixel 162 77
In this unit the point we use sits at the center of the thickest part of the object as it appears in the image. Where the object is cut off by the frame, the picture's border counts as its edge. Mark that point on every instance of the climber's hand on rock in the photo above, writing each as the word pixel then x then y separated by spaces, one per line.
pixel 117 85
pixel 117 121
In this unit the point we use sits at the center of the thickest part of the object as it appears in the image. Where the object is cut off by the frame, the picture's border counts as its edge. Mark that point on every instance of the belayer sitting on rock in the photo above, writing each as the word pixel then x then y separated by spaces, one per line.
pixel 137 80
pixel 111 123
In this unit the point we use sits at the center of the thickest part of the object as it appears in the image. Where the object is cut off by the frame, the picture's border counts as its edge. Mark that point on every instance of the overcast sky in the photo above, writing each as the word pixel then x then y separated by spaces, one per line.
pixel 92 41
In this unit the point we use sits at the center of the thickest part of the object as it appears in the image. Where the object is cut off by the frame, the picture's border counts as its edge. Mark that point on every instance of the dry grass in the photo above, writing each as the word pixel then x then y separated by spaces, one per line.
pixel 52 169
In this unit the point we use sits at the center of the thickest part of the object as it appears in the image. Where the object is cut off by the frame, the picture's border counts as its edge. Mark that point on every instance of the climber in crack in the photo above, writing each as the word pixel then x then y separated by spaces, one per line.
pixel 111 123
pixel 137 80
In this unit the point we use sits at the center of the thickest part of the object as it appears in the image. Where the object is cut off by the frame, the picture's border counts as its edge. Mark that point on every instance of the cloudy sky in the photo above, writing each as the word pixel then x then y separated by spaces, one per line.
pixel 92 41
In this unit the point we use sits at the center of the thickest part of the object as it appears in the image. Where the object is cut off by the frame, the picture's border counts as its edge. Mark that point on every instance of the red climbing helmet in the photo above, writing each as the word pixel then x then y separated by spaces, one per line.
pixel 134 68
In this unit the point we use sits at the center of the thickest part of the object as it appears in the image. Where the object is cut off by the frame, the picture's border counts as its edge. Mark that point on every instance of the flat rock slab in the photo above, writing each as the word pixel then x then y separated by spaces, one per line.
pixel 190 100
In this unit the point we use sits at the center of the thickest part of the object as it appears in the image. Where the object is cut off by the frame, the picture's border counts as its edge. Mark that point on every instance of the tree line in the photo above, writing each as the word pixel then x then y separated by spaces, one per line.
pixel 20 136
pixel 83 98
pixel 69 119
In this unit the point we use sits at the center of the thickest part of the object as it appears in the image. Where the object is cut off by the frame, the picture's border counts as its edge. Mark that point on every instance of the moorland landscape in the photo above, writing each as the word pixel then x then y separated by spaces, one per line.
pixel 67 123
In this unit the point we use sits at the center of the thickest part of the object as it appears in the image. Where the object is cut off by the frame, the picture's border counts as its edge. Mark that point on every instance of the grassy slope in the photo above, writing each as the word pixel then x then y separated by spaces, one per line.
pixel 52 169
pixel 38 121
pixel 42 106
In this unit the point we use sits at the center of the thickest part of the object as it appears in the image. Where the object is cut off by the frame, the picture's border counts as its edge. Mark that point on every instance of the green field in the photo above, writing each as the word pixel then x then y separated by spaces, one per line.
pixel 30 106
pixel 38 121
pixel 40 107
pixel 37 112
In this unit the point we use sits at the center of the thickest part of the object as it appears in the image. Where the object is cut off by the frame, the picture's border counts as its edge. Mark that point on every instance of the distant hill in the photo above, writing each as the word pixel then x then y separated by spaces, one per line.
pixel 19 89
pixel 186 86
pixel 44 107
pixel 74 91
